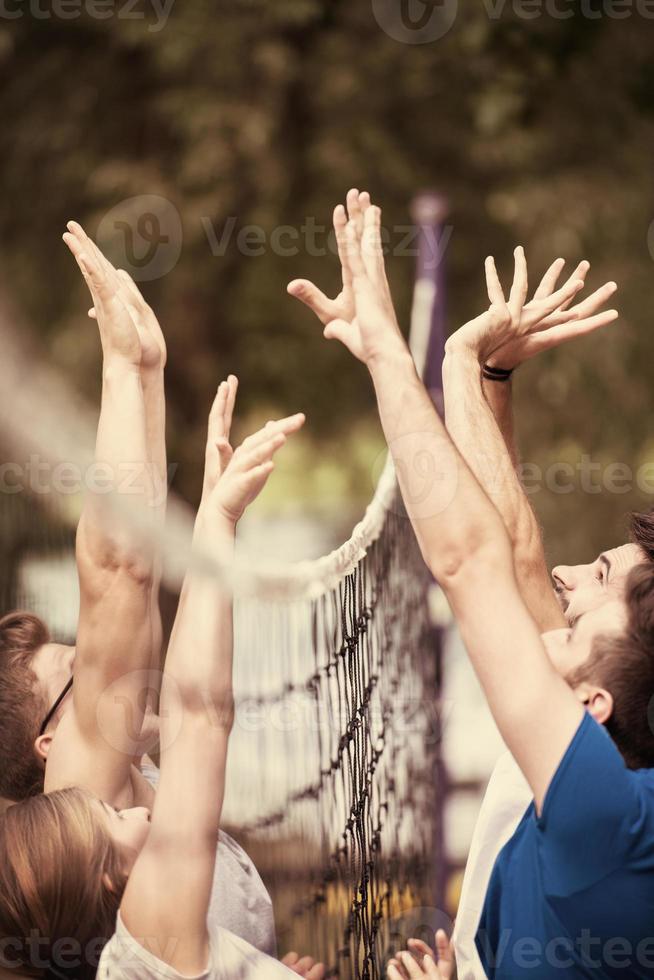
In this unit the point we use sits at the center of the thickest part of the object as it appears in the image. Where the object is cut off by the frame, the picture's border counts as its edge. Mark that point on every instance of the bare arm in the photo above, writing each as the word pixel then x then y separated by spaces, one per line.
pixel 473 428
pixel 461 535
pixel 483 430
pixel 170 886
pixel 93 744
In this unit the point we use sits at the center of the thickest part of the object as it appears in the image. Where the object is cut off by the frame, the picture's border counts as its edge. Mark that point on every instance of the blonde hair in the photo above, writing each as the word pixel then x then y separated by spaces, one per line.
pixel 61 883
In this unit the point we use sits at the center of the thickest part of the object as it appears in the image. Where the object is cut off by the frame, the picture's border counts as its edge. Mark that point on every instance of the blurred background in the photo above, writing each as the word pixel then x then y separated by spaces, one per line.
pixel 206 144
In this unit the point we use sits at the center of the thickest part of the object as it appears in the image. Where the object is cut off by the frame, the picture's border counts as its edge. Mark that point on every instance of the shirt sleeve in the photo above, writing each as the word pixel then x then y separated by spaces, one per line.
pixel 598 816
pixel 124 958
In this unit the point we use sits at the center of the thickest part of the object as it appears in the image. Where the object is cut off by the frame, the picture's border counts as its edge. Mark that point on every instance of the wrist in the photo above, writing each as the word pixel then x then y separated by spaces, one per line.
pixel 395 356
pixel 118 368
pixel 152 374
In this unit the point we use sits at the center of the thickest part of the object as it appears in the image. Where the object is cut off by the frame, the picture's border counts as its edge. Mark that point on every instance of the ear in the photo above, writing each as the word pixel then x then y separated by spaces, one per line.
pixel 42 748
pixel 598 701
pixel 108 883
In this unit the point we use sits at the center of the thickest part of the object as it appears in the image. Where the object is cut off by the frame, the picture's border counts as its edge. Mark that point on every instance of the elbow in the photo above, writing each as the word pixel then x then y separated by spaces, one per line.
pixel 213 710
pixel 105 558
pixel 480 555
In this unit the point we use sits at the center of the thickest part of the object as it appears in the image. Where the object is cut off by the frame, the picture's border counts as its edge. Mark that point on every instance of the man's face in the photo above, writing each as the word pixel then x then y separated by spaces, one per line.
pixel 569 649
pixel 53 666
pixel 583 588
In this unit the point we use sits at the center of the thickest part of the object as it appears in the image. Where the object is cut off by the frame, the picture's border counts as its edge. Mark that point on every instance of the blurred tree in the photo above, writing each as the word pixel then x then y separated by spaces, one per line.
pixel 266 111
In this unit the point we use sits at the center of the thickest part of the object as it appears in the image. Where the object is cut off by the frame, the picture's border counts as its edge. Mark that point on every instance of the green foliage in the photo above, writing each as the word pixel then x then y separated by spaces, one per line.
pixel 539 131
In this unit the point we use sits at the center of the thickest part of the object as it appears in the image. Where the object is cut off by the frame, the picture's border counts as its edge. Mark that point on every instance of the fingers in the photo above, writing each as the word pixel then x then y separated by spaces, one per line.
pixel 314 298
pixel 418 947
pixel 93 273
pixel 340 224
pixel 290 959
pixel 445 954
pixel 495 292
pixel 518 294
pixel 580 273
pixel 371 247
pixel 286 426
pixel 414 969
pixel 550 279
pixel 217 413
pixel 354 253
pixel 592 303
pixel 557 300
pixel 317 972
pixel 354 210
pixel 230 401
pixel 557 335
pixel 444 948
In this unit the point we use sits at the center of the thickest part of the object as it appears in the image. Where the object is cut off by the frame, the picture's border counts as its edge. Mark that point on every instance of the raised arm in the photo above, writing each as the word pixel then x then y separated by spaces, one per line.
pixel 153 363
pixel 472 422
pixel 93 743
pixel 168 893
pixel 461 535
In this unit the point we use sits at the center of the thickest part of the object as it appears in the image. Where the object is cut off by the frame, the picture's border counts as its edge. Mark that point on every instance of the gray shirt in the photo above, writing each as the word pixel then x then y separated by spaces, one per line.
pixel 240 901
pixel 230 958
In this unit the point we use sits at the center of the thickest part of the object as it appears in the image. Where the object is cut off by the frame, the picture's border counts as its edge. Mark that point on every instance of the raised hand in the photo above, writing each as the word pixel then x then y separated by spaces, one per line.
pixel 511 331
pixel 117 284
pixel 304 966
pixel 584 317
pixel 234 478
pixel 422 961
pixel 361 233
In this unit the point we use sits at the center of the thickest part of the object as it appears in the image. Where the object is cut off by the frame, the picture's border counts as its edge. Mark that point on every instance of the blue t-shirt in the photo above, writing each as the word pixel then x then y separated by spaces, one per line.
pixel 572 893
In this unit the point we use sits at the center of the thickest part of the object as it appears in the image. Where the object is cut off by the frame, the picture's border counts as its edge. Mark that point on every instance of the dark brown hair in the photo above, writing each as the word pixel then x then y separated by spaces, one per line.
pixel 623 664
pixel 22 705
pixel 61 884
pixel 641 527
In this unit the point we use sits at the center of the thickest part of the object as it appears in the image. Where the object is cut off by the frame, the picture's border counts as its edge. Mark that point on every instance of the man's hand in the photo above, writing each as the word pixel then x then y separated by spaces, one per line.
pixel 512 331
pixel 421 961
pixel 304 966
pixel 361 317
pixel 118 305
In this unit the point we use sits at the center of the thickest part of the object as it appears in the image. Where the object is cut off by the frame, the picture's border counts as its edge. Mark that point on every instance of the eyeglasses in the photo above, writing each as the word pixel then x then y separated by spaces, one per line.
pixel 53 710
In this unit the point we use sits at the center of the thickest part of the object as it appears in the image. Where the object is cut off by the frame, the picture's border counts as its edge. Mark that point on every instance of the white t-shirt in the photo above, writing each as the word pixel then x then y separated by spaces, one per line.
pixel 240 901
pixel 506 801
pixel 230 958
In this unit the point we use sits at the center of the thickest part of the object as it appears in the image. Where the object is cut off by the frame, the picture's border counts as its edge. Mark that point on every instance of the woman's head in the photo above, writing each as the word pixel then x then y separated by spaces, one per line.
pixel 64 862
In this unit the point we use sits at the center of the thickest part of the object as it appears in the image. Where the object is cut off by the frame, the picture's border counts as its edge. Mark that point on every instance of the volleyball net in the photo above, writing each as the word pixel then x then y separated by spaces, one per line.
pixel 334 778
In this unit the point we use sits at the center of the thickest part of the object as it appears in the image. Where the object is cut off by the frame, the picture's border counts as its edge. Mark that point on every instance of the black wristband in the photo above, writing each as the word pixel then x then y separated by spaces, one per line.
pixel 496 373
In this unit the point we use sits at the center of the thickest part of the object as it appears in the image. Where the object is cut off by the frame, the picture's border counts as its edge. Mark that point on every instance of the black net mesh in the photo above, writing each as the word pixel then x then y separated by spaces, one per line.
pixel 338 717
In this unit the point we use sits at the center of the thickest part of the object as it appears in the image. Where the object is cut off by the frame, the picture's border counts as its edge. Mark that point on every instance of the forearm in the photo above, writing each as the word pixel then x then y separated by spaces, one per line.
pixel 473 427
pixel 499 396
pixel 452 516
pixel 199 661
pixel 113 511
pixel 152 380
